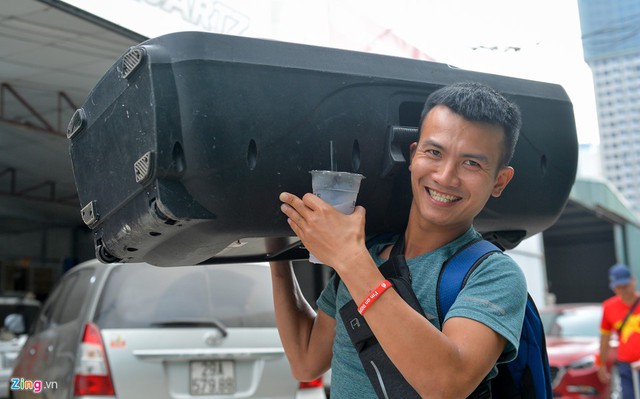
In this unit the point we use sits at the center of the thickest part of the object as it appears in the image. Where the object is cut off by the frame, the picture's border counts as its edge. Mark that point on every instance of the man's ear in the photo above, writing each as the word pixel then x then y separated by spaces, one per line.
pixel 412 151
pixel 504 177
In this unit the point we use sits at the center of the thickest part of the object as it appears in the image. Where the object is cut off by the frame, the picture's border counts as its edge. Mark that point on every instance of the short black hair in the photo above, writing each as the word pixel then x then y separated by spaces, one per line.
pixel 478 102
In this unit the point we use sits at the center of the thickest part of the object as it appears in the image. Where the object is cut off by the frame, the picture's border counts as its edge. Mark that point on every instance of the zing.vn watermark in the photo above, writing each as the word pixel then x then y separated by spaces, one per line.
pixel 20 384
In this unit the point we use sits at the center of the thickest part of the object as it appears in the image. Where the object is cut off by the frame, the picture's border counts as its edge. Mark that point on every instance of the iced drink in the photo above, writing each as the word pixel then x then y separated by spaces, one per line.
pixel 339 189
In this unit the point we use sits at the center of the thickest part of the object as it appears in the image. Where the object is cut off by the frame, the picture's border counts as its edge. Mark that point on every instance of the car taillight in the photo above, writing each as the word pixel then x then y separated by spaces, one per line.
pixel 93 377
pixel 317 383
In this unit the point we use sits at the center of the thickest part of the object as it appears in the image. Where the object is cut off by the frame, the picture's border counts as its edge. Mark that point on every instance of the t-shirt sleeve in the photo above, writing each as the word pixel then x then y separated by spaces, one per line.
pixel 327 299
pixel 495 295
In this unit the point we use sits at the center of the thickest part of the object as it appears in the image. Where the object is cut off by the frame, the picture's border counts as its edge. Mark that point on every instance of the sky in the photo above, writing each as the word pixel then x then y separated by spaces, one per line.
pixel 484 35
pixel 537 40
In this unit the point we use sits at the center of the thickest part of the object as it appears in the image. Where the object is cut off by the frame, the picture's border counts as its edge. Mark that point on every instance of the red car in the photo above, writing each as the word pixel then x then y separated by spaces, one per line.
pixel 573 342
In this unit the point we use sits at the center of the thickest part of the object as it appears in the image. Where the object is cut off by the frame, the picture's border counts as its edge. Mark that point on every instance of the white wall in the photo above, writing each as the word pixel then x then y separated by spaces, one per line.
pixel 530 256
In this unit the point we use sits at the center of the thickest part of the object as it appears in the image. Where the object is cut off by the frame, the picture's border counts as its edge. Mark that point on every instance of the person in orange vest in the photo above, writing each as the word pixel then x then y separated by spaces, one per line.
pixel 622 316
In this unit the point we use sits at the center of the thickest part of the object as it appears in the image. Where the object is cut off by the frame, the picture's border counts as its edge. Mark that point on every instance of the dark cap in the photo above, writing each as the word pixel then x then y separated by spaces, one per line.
pixel 619 274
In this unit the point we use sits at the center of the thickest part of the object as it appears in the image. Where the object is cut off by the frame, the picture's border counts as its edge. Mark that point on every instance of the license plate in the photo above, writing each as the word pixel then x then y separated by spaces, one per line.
pixel 211 377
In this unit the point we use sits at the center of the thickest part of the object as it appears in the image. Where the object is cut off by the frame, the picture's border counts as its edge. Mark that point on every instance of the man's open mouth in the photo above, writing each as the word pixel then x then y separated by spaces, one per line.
pixel 442 197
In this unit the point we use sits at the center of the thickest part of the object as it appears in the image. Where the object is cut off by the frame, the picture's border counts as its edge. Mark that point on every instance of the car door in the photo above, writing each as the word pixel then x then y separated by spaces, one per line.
pixel 49 355
pixel 64 335
pixel 33 358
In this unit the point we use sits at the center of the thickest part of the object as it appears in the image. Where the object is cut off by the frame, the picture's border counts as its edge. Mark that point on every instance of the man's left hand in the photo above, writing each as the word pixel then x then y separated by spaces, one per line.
pixel 326 232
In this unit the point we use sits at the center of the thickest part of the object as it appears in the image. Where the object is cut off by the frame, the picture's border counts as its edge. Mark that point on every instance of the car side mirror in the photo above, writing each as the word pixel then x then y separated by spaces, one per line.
pixel 15 323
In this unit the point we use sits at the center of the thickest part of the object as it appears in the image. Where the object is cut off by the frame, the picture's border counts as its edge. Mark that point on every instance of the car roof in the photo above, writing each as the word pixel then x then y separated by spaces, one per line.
pixel 96 262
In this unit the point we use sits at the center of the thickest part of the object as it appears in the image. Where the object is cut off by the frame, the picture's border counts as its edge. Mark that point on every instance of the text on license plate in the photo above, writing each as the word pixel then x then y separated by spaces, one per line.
pixel 210 377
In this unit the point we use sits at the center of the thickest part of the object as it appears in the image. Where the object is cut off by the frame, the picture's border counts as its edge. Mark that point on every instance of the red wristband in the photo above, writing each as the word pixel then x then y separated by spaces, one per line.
pixel 373 296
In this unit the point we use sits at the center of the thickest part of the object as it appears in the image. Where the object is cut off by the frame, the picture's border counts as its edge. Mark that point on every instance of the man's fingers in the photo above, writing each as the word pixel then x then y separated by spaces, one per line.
pixel 287 198
pixel 296 229
pixel 313 202
pixel 294 219
pixel 306 205
pixel 291 213
pixel 294 202
pixel 296 211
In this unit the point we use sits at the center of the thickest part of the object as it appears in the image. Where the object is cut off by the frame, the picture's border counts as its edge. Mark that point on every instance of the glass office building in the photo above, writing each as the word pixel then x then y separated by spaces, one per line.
pixel 611 43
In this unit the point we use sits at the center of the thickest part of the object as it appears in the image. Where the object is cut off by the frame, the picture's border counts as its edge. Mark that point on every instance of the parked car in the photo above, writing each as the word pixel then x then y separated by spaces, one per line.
pixel 573 342
pixel 141 331
pixel 17 312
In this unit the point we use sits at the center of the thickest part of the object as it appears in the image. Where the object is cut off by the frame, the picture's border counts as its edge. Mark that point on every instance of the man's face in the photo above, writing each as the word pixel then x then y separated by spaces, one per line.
pixel 625 290
pixel 455 169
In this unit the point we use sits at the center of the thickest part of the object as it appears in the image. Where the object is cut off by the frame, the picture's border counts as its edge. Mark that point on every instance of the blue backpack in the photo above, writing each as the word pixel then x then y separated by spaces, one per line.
pixel 527 376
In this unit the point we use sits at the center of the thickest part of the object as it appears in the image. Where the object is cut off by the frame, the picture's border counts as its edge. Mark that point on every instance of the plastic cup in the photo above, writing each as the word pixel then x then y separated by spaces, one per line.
pixel 339 189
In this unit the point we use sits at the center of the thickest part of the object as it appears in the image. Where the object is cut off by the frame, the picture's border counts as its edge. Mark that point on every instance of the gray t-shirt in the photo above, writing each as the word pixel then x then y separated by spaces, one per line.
pixel 494 295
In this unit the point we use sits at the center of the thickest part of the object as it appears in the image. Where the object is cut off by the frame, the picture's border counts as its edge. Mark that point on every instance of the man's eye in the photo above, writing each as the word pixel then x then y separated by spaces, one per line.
pixel 473 163
pixel 433 152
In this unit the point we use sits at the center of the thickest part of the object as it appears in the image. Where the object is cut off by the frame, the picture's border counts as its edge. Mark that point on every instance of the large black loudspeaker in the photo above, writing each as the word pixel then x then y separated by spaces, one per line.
pixel 180 151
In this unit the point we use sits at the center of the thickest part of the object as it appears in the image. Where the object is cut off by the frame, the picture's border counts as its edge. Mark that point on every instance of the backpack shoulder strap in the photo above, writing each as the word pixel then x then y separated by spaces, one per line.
pixel 456 270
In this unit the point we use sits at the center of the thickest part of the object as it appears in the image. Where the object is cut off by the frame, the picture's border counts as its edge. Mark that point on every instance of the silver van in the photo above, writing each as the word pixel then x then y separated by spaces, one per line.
pixel 140 331
pixel 18 310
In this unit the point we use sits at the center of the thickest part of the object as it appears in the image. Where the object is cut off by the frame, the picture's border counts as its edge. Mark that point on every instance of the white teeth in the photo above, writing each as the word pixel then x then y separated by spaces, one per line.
pixel 440 197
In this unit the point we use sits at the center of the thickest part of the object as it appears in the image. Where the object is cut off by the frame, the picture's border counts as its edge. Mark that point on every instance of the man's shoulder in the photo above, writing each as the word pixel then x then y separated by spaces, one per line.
pixel 499 269
pixel 459 243
pixel 501 272
pixel 611 302
pixel 503 265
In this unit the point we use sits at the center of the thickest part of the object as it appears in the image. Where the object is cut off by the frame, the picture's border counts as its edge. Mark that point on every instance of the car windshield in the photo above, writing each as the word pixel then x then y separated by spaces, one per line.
pixel 143 296
pixel 572 322
pixel 29 312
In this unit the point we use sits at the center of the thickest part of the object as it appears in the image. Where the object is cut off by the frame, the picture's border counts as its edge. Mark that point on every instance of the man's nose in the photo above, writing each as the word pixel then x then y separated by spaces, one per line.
pixel 448 174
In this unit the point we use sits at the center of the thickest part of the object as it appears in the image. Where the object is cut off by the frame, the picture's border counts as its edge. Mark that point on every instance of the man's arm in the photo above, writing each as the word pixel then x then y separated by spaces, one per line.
pixel 603 373
pixel 307 337
pixel 441 364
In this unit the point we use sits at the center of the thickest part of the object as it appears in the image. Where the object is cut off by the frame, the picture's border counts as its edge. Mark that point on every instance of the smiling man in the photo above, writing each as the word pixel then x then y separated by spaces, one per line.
pixel 468 133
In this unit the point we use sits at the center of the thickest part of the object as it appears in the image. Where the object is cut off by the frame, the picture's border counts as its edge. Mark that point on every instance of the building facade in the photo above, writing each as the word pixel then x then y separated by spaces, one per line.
pixel 611 43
